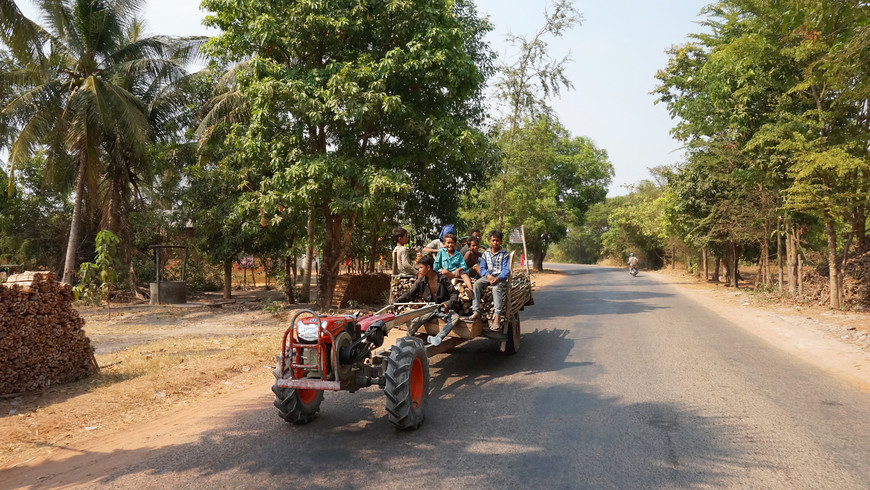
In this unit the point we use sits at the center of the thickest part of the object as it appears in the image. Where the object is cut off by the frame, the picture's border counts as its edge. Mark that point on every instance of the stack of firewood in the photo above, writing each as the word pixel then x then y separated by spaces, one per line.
pixel 815 283
pixel 41 338
pixel 400 284
pixel 521 293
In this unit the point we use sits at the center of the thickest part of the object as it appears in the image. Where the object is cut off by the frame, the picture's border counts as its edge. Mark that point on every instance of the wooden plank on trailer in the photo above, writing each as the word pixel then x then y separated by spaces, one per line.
pixel 446 345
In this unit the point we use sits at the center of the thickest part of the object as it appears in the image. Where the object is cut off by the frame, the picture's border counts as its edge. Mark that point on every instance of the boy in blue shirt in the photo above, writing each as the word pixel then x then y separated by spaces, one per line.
pixel 450 263
pixel 494 270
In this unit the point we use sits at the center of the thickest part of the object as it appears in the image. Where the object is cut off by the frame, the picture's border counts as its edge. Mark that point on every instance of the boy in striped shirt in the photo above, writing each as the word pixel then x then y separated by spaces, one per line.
pixel 494 270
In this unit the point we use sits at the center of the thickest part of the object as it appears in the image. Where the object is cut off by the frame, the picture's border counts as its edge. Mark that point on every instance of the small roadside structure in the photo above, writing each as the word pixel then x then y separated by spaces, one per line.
pixel 169 292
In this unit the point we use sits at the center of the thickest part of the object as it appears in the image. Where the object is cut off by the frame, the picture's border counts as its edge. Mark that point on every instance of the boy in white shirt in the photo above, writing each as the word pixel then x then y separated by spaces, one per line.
pixel 400 253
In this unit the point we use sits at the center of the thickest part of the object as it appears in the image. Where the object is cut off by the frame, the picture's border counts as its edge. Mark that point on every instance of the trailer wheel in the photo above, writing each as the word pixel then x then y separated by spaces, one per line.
pixel 512 344
pixel 297 406
pixel 407 387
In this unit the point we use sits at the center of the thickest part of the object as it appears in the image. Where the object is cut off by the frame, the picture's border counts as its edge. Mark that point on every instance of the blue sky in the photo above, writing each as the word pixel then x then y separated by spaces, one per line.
pixel 616 52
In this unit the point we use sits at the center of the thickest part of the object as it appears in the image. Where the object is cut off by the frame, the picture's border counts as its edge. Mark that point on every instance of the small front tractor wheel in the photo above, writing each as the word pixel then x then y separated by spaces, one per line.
pixel 407 387
pixel 297 406
pixel 512 344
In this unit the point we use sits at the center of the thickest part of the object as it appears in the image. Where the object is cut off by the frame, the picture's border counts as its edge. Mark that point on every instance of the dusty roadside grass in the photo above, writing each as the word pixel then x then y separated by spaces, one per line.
pixel 179 365
pixel 139 384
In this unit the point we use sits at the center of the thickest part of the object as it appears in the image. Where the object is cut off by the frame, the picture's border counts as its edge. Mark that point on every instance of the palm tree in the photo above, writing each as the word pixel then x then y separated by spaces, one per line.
pixel 88 87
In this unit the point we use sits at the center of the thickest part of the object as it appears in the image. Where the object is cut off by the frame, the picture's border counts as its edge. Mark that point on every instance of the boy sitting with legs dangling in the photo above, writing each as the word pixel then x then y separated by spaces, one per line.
pixel 494 270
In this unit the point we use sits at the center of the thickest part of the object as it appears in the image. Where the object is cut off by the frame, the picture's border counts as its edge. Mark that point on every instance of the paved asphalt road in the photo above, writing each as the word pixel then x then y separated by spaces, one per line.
pixel 620 383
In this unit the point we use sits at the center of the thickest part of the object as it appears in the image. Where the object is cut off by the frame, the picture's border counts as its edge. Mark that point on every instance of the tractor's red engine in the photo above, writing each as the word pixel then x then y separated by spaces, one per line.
pixel 330 353
pixel 337 353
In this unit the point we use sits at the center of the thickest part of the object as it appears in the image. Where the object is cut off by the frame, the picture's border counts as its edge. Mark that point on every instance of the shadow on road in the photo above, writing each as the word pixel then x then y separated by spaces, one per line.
pixel 492 421
pixel 574 301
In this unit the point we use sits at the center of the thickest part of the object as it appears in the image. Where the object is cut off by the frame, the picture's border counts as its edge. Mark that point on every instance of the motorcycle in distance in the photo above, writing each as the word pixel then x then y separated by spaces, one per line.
pixel 632 265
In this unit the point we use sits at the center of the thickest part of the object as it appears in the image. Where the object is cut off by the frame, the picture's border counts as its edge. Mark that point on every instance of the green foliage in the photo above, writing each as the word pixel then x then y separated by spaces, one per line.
pixel 204 276
pixel 350 105
pixel 635 224
pixel 22 243
pixel 583 243
pixel 771 102
pixel 551 181
pixel 96 278
pixel 90 91
pixel 275 308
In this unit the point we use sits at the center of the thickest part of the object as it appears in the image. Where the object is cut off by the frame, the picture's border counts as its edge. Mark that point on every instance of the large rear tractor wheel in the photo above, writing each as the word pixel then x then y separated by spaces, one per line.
pixel 297 406
pixel 407 386
pixel 512 344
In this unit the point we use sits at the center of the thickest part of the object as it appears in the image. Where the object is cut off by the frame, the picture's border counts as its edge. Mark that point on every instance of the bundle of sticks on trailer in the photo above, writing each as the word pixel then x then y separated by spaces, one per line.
pixel 346 352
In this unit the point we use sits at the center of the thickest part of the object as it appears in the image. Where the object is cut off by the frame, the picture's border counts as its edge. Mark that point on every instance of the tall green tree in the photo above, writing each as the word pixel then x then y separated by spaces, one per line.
pixel 562 176
pixel 82 86
pixel 350 101
pixel 526 85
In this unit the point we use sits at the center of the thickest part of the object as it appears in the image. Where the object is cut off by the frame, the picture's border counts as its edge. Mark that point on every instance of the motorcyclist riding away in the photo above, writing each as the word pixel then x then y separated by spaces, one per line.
pixel 632 262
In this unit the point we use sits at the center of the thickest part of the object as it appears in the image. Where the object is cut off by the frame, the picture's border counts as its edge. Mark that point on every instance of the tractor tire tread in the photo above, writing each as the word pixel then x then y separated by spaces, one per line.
pixel 291 409
pixel 401 412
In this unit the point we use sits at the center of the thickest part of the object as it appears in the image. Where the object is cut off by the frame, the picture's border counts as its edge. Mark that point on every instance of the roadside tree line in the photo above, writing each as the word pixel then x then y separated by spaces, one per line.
pixel 772 103
pixel 313 129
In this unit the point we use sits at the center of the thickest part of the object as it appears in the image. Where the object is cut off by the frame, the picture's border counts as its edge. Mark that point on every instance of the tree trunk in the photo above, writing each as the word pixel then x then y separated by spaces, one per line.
pixel 732 264
pixel 726 262
pixel 716 273
pixel 373 252
pixel 704 266
pixel 339 230
pixel 289 280
pixel 779 252
pixel 763 266
pixel 69 265
pixel 228 279
pixel 799 272
pixel 791 254
pixel 673 258
pixel 859 227
pixel 842 275
pixel 309 252
pixel 765 252
pixel 538 255
pixel 834 279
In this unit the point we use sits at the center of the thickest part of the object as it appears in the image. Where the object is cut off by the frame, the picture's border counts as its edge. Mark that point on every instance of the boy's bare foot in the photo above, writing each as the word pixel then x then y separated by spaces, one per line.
pixel 474 316
pixel 496 323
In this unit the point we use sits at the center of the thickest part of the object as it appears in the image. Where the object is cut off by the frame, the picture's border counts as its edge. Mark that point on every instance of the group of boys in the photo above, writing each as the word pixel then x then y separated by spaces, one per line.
pixel 440 262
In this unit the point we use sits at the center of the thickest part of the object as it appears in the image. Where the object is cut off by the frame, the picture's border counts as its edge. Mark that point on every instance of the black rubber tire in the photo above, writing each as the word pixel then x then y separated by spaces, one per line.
pixel 406 397
pixel 512 344
pixel 293 409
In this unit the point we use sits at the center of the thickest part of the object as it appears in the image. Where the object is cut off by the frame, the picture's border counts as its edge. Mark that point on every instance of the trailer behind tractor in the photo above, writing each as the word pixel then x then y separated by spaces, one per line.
pixel 339 353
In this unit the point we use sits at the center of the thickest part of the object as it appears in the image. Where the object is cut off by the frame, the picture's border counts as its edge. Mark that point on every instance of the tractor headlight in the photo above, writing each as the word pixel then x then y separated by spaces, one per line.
pixel 308 331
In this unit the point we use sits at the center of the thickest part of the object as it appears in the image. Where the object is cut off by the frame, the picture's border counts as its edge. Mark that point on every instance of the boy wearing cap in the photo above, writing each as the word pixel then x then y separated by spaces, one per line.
pixel 437 244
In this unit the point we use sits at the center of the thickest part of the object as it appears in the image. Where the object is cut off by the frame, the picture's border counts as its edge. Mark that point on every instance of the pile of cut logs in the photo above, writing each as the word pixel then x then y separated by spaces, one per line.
pixel 399 284
pixel 41 338
pixel 816 287
pixel 520 295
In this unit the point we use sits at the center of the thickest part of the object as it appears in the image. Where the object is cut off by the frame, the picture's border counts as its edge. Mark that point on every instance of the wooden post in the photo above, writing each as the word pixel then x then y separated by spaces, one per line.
pixel 526 253
pixel 157 258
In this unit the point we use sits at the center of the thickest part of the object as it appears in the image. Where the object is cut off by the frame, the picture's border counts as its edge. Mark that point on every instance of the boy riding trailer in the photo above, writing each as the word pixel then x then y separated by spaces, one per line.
pixel 338 353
